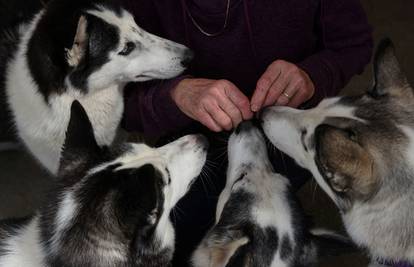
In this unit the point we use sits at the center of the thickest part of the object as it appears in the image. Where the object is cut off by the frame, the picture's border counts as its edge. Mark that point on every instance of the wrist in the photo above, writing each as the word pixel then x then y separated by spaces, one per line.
pixel 176 91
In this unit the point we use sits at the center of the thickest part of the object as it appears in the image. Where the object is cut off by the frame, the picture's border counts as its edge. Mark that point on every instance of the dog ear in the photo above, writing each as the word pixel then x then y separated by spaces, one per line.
pixel 140 202
pixel 347 166
pixel 219 247
pixel 80 145
pixel 75 54
pixel 328 243
pixel 389 77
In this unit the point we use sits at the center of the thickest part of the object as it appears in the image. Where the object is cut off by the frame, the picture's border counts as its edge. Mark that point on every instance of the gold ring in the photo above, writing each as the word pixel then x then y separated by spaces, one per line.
pixel 287 96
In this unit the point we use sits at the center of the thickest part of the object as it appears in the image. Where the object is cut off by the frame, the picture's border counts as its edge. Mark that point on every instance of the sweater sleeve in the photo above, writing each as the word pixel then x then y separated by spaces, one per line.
pixel 149 107
pixel 345 47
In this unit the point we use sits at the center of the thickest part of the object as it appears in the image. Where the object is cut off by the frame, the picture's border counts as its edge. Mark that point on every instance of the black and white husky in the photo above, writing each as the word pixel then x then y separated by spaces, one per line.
pixel 79 49
pixel 361 152
pixel 259 221
pixel 109 207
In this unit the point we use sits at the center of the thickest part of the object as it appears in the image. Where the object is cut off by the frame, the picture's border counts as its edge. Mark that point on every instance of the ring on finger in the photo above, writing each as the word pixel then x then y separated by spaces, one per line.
pixel 287 95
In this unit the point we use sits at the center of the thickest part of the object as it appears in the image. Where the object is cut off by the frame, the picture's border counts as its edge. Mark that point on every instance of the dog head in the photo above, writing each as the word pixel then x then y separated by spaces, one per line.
pixel 353 145
pixel 114 205
pixel 99 45
pixel 259 221
pixel 247 151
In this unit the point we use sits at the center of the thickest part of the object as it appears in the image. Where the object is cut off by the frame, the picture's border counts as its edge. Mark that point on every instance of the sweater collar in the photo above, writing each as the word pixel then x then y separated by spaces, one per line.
pixel 211 7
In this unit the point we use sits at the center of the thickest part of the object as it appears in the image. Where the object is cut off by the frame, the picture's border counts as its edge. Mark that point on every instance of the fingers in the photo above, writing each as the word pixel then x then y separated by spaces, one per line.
pixel 218 115
pixel 276 90
pixel 305 89
pixel 206 119
pixel 283 84
pixel 226 105
pixel 264 84
pixel 231 110
pixel 238 99
pixel 288 93
pixel 219 105
pixel 297 100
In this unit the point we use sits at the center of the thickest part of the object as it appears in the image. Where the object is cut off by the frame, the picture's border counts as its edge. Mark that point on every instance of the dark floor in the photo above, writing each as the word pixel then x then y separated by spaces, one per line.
pixel 22 182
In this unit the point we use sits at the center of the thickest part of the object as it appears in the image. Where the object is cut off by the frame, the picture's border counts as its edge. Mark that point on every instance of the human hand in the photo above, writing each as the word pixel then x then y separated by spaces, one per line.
pixel 283 84
pixel 217 104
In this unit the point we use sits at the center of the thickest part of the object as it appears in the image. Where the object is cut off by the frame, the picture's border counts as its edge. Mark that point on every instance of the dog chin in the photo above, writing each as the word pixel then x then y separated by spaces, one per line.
pixel 143 78
pixel 168 73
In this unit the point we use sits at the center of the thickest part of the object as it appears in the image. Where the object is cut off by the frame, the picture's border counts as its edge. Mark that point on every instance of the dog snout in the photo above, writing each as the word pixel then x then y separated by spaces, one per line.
pixel 244 127
pixel 187 57
pixel 266 113
pixel 197 140
pixel 202 140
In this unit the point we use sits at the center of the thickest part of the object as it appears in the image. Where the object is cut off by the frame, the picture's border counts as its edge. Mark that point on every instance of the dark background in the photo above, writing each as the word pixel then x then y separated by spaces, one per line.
pixel 22 181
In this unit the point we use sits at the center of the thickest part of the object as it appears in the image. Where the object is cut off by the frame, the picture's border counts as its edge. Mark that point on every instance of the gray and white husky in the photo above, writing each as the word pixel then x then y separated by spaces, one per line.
pixel 109 207
pixel 259 221
pixel 81 50
pixel 361 152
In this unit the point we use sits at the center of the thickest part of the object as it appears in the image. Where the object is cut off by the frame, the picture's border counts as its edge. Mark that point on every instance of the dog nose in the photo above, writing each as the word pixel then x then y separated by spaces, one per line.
pixel 261 113
pixel 187 58
pixel 264 113
pixel 202 140
pixel 244 127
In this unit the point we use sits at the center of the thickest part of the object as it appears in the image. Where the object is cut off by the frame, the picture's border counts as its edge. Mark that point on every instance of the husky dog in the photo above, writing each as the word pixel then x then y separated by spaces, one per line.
pixel 259 221
pixel 360 151
pixel 85 50
pixel 109 208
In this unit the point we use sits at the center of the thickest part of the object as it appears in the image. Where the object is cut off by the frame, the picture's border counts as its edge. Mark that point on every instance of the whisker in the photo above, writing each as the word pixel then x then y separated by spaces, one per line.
pixel 179 211
pixel 207 171
pixel 202 177
pixel 283 160
pixel 315 187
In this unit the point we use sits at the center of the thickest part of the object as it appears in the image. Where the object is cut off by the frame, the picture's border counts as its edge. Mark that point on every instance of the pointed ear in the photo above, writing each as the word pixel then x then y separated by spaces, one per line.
pixel 219 248
pixel 75 54
pixel 348 166
pixel 220 256
pixel 80 145
pixel 389 78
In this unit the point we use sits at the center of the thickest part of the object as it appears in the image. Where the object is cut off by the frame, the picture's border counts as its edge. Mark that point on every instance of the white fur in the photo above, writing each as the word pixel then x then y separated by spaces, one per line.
pixel 66 213
pixel 409 153
pixel 184 159
pixel 42 126
pixel 25 249
pixel 370 225
pixel 248 155
pixel 382 245
pixel 285 132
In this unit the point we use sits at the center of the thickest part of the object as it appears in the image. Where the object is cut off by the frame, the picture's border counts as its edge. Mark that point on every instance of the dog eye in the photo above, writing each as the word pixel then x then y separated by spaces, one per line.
pixel 351 135
pixel 129 47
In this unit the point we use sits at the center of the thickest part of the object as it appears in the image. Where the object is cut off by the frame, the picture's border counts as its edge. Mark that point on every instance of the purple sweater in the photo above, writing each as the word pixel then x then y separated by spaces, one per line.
pixel 330 39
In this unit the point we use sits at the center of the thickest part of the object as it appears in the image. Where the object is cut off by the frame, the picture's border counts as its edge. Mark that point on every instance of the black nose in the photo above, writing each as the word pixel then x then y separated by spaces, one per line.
pixel 203 141
pixel 244 127
pixel 187 58
pixel 261 114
